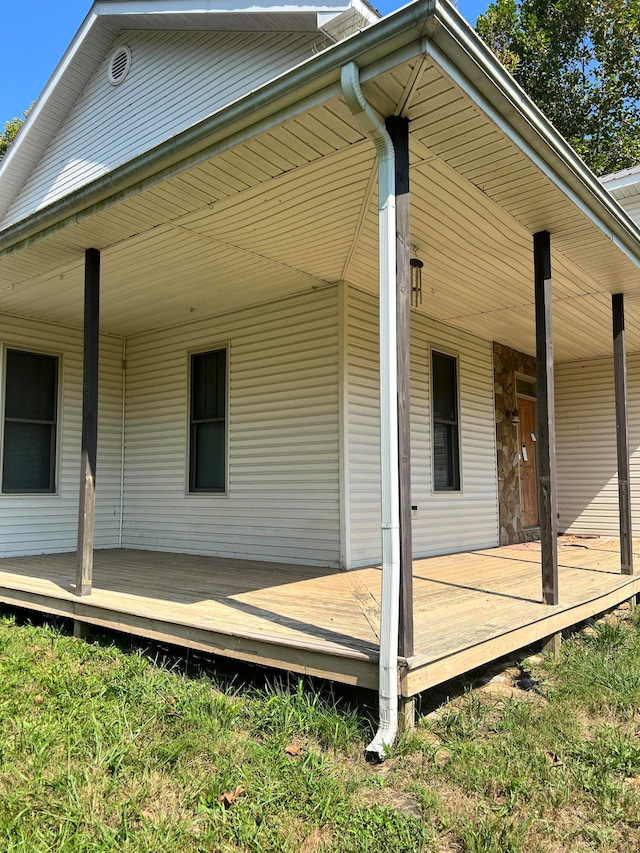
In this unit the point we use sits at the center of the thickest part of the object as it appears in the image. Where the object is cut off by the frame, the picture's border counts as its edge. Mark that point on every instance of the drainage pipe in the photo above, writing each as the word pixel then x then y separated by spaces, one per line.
pixel 122 438
pixel 389 458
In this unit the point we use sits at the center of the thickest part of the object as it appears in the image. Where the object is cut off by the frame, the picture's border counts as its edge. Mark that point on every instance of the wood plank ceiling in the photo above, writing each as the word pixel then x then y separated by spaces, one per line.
pixel 295 209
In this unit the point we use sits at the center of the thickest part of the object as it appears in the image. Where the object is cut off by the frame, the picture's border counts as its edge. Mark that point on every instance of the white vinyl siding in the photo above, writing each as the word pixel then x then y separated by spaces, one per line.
pixel 283 481
pixel 48 523
pixel 176 80
pixel 444 522
pixel 586 445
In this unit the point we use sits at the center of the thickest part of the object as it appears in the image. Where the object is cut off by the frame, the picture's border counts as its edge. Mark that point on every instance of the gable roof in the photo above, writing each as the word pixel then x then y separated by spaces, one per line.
pixel 273 194
pixel 333 19
pixel 432 29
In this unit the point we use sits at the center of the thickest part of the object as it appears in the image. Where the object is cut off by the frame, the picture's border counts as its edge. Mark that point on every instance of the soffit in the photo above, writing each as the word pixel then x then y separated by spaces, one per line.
pixel 295 209
pixel 106 20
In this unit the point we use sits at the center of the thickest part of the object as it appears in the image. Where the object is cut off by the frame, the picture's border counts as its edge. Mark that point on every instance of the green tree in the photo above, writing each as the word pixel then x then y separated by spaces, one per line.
pixel 10 131
pixel 8 134
pixel 580 62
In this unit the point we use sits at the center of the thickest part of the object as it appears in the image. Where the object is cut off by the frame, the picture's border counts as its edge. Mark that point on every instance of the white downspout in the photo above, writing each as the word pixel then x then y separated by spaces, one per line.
pixel 389 460
pixel 122 438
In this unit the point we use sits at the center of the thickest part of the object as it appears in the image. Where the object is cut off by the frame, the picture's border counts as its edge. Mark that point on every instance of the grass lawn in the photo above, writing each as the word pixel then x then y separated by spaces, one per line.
pixel 106 750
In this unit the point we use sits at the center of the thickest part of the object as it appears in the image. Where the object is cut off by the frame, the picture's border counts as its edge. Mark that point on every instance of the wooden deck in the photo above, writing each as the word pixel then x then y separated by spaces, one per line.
pixel 470 608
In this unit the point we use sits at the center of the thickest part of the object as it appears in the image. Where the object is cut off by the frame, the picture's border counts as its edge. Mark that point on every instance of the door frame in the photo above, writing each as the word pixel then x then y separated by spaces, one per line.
pixel 533 399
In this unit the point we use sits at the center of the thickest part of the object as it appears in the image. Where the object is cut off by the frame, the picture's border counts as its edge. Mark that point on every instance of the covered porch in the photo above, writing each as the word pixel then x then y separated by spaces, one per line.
pixel 469 608
pixel 254 237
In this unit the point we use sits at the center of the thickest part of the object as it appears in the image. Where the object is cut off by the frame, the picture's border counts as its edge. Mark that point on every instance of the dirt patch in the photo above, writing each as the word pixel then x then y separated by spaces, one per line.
pixel 524 546
pixel 317 840
pixel 392 798
pixel 569 540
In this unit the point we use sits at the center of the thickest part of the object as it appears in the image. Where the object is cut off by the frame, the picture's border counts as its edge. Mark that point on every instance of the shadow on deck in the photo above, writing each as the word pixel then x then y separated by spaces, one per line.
pixel 469 608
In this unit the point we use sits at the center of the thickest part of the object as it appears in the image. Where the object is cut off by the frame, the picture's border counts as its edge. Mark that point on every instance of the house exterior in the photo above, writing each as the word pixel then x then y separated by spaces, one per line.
pixel 588 493
pixel 200 170
pixel 301 432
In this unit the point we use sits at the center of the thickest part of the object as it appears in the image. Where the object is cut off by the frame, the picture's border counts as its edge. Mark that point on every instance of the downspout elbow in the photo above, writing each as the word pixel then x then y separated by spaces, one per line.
pixel 363 111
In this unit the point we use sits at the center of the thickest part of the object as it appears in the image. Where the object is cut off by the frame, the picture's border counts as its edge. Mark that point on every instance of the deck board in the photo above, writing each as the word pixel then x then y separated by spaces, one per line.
pixel 469 607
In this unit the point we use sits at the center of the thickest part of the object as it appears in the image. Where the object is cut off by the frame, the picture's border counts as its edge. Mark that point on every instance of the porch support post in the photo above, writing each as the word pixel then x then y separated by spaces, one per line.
pixel 84 570
pixel 622 434
pixel 398 129
pixel 546 444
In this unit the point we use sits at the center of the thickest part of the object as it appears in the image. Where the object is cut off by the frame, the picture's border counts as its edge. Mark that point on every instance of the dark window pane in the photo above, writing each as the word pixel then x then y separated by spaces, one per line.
pixel 445 391
pixel 208 380
pixel 446 453
pixel 526 386
pixel 31 386
pixel 208 421
pixel 221 384
pixel 446 460
pixel 27 457
pixel 208 466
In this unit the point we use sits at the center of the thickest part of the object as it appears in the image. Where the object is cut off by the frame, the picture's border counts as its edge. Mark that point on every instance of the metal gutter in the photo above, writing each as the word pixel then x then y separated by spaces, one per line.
pixel 433 27
pixel 456 47
pixel 622 177
pixel 382 46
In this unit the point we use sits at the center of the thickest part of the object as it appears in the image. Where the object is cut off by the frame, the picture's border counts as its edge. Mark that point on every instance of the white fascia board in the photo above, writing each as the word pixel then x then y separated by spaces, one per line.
pixel 451 43
pixel 52 83
pixel 365 11
pixel 627 180
pixel 460 52
pixel 182 7
pixel 358 13
pixel 632 171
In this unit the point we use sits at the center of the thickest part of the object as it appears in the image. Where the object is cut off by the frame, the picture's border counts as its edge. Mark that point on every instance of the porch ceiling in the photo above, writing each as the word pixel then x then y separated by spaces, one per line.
pixel 294 209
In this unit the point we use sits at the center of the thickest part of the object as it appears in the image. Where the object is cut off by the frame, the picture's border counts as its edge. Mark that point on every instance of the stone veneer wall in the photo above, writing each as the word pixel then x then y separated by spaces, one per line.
pixel 506 363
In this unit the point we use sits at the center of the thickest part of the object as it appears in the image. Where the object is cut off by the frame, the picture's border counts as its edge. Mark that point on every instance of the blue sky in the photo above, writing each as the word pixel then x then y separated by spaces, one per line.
pixel 35 34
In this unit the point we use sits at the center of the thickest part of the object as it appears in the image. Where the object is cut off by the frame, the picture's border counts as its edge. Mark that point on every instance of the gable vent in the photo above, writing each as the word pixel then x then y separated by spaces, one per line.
pixel 119 65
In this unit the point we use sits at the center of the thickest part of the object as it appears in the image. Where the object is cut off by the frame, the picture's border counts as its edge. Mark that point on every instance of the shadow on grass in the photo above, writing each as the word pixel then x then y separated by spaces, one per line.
pixel 242 678
pixel 229 675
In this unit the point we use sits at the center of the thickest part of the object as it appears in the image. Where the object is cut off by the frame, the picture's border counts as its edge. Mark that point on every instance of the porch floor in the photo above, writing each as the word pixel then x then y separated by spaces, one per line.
pixel 470 608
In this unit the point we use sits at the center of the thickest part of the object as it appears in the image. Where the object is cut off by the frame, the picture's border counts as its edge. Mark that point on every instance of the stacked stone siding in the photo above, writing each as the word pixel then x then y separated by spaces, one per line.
pixel 506 363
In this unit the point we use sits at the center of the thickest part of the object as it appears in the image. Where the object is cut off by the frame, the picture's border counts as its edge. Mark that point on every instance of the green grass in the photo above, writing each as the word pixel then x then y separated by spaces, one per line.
pixel 105 750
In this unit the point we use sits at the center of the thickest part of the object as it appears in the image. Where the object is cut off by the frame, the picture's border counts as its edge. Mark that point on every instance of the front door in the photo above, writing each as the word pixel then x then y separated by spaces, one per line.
pixel 528 468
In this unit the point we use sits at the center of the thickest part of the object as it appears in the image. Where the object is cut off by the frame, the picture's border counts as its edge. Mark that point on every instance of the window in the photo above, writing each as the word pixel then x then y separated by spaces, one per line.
pixel 30 421
pixel 526 386
pixel 208 422
pixel 446 451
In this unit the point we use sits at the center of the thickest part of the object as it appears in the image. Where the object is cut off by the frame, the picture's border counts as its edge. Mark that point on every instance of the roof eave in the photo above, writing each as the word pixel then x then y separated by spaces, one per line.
pixel 433 27
pixel 628 181
pixel 114 15
pixel 517 115
pixel 313 81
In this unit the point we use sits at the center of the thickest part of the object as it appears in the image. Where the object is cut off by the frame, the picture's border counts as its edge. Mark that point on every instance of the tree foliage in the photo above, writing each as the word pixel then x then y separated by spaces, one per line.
pixel 580 62
pixel 7 136
pixel 9 133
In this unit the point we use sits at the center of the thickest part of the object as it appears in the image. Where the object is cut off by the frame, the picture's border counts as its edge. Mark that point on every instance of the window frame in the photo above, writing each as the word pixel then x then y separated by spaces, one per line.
pixel 57 454
pixel 446 493
pixel 207 493
pixel 523 377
